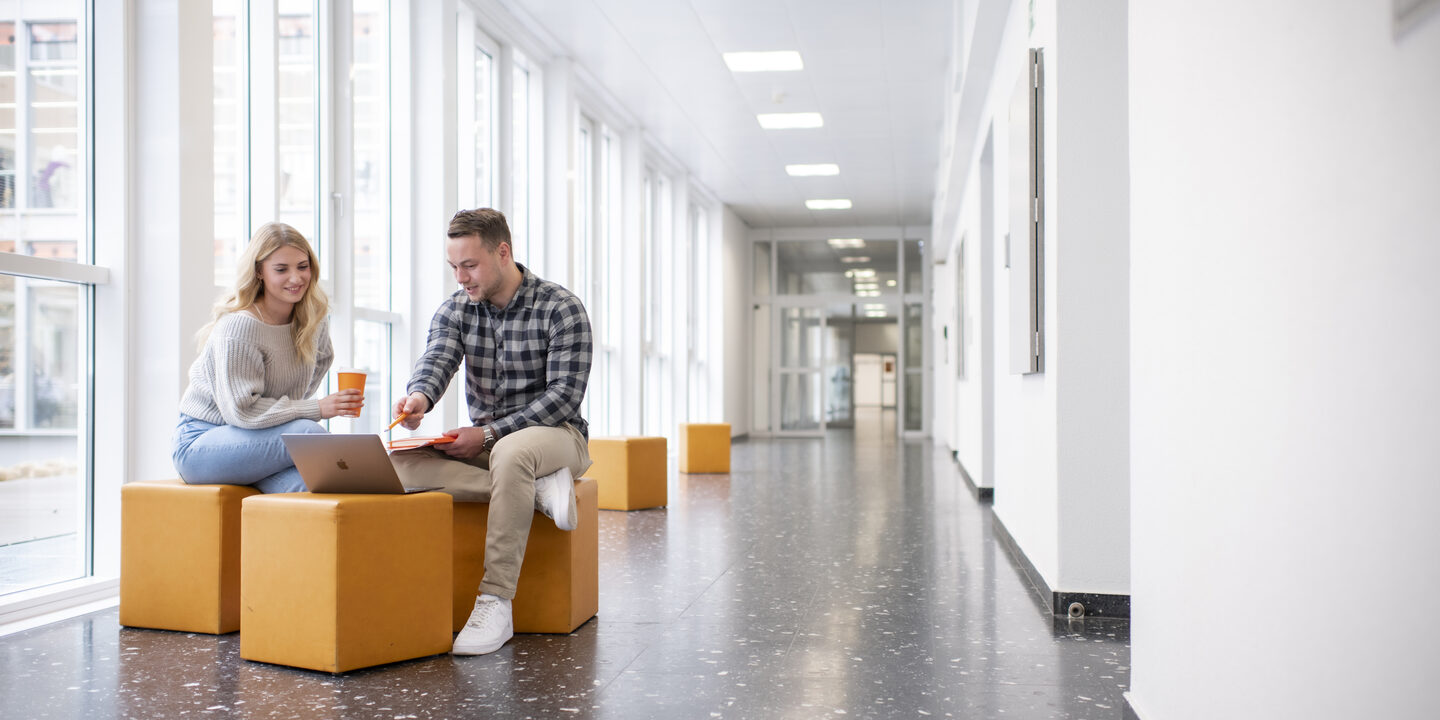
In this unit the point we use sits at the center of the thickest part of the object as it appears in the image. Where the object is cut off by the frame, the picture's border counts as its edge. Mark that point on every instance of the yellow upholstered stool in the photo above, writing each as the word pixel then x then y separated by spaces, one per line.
pixel 339 582
pixel 705 447
pixel 630 471
pixel 180 556
pixel 559 586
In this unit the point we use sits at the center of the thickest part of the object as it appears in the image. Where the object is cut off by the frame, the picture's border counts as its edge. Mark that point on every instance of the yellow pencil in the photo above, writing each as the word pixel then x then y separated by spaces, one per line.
pixel 396 421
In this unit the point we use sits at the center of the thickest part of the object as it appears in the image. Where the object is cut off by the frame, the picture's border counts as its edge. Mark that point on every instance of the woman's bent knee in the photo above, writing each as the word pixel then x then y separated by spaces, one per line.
pixel 303 426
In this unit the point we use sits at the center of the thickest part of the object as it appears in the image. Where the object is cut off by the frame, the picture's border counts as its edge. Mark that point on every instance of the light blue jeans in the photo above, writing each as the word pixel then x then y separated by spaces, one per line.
pixel 208 454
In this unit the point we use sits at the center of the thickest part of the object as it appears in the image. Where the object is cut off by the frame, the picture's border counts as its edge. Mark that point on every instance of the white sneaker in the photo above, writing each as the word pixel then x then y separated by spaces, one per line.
pixel 555 496
pixel 488 628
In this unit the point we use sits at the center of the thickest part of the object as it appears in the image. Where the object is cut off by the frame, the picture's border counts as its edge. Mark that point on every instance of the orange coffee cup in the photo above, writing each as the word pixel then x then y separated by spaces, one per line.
pixel 352 380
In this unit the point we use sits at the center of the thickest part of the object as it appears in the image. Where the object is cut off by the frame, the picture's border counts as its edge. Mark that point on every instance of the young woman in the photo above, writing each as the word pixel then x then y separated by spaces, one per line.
pixel 262 356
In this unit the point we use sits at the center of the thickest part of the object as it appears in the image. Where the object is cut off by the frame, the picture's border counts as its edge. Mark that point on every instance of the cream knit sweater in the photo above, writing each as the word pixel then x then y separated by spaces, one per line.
pixel 249 375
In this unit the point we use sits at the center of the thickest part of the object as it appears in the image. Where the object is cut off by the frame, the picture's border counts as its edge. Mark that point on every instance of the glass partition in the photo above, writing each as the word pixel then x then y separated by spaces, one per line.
pixel 914 366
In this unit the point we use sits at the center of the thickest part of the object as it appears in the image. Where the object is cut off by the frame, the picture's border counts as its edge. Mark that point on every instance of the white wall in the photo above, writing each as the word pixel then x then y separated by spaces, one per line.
pixel 735 291
pixel 1056 450
pixel 1284 385
pixel 971 404
pixel 1026 424
pixel 1089 235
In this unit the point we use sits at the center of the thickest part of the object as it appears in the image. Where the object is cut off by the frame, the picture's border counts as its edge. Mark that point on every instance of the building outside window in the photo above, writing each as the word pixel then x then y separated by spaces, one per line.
pixel 46 312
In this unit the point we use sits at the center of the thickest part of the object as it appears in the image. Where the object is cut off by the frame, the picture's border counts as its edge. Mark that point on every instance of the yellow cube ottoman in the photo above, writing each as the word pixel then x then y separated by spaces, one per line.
pixel 180 556
pixel 337 582
pixel 559 585
pixel 705 447
pixel 630 471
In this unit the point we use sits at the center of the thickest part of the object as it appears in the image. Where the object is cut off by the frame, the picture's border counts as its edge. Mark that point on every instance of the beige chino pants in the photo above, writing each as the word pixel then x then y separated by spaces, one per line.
pixel 505 478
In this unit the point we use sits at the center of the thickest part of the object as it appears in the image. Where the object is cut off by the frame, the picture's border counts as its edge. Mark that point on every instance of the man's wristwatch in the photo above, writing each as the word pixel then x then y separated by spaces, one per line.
pixel 489 437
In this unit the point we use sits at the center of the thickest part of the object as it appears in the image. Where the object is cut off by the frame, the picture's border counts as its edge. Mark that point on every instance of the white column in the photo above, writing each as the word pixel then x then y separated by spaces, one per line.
pixel 171 279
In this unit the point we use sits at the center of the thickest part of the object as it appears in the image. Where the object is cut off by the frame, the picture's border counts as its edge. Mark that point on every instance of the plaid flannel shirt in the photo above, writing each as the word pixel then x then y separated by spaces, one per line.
pixel 525 364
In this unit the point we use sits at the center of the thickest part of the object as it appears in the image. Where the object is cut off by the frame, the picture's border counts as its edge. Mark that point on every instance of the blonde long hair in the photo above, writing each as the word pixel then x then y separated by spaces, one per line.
pixel 309 313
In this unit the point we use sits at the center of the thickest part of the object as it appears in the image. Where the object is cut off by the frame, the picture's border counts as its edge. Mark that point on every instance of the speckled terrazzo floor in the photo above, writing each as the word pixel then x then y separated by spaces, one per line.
pixel 819 579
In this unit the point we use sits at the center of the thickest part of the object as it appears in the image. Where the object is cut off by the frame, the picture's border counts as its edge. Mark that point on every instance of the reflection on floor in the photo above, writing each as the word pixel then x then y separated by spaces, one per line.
pixel 821 578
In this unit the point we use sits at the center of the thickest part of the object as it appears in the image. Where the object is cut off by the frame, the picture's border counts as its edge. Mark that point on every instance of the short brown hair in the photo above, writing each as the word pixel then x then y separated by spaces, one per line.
pixel 486 223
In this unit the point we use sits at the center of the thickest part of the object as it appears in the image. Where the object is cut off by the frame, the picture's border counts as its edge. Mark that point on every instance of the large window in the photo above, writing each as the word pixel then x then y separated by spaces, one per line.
pixel 699 323
pixel 658 378
pixel 230 127
pixel 521 112
pixel 46 300
pixel 370 158
pixel 597 261
pixel 298 131
pixel 500 135
pixel 478 109
pixel 609 318
pixel 369 226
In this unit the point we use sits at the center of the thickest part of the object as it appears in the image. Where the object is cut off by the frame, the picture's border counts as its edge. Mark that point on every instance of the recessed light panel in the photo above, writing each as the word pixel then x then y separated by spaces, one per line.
pixel 835 204
pixel 790 121
pixel 856 259
pixel 813 170
pixel 840 243
pixel 771 61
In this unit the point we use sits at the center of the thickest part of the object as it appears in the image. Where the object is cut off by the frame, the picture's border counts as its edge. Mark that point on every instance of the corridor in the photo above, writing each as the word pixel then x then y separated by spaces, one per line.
pixel 820 579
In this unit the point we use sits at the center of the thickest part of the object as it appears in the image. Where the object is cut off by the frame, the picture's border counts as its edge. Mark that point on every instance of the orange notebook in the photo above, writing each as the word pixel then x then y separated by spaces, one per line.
pixel 411 443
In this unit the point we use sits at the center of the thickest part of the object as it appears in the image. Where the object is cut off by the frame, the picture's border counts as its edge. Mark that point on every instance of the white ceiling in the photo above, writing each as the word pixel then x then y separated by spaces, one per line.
pixel 874 69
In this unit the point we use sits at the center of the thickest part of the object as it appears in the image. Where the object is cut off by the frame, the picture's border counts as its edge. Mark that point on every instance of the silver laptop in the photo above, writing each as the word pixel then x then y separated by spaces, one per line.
pixel 344 464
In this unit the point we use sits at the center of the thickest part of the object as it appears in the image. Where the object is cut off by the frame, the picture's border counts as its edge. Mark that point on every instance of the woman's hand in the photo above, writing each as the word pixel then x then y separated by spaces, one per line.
pixel 345 402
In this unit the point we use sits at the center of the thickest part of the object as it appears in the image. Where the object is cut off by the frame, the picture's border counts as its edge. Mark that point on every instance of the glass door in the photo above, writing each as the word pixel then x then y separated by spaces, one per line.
pixel 798 408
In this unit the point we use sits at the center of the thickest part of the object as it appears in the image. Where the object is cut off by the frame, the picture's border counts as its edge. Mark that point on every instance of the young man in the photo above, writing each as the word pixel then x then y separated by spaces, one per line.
pixel 527 347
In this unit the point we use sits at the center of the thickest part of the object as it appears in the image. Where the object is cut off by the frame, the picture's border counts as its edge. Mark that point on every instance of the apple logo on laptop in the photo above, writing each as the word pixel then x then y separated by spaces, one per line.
pixel 341 464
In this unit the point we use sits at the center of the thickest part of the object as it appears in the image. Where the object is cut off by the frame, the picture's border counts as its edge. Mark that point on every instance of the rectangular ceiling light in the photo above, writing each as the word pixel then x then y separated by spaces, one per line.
pixel 855 259
pixel 790 121
pixel 839 243
pixel 770 61
pixel 813 170
pixel 837 204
